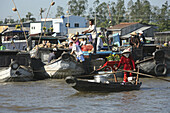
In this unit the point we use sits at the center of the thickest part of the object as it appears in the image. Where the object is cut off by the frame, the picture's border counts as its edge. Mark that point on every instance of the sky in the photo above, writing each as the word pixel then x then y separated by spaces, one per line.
pixel 33 6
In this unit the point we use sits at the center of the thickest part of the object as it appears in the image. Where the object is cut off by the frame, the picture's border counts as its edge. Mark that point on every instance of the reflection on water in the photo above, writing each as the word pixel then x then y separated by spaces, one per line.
pixel 53 95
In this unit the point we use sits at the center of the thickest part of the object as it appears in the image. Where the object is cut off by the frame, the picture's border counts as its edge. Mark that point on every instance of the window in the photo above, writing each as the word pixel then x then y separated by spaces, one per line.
pixel 67 24
pixel 76 25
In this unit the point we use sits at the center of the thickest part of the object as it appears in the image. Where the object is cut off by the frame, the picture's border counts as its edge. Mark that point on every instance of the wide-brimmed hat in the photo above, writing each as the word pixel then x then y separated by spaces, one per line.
pixel 133 33
pixel 128 50
pixel 140 32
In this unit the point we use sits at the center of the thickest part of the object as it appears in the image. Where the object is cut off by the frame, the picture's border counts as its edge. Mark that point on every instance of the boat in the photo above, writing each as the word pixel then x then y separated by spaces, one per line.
pixel 64 66
pixel 101 84
pixel 14 66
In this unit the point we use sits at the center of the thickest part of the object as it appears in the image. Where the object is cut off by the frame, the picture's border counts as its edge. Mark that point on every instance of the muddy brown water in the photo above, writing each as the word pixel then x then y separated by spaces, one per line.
pixel 55 96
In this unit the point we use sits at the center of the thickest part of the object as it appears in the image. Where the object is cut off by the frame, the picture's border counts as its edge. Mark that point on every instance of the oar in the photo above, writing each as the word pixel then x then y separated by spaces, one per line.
pixel 146 75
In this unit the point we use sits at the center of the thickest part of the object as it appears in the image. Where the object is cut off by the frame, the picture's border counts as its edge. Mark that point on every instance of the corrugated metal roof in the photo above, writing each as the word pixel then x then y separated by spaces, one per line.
pixel 122 25
pixel 140 29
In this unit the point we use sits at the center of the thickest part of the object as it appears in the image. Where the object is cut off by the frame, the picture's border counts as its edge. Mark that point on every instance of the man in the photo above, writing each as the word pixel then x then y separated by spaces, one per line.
pixel 142 37
pixel 52 55
pixel 76 49
pixel 127 62
pixel 93 31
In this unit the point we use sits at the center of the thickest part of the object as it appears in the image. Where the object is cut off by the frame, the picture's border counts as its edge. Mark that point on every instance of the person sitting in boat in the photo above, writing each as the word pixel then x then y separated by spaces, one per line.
pixel 93 31
pixel 52 55
pixel 127 62
pixel 76 39
pixel 76 49
pixel 134 40
pixel 82 42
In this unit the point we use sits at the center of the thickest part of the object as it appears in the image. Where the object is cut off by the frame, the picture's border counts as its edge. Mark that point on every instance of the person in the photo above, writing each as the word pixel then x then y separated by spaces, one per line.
pixel 127 62
pixel 82 42
pixel 134 40
pixel 76 49
pixel 142 37
pixel 52 55
pixel 75 39
pixel 99 43
pixel 93 31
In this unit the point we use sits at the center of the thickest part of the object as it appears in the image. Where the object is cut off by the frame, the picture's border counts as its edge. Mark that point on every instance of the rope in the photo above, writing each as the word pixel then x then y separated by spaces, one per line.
pixel 21 23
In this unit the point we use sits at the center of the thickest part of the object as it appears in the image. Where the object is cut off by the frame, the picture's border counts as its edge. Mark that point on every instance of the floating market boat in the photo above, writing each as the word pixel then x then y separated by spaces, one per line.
pixel 64 66
pixel 17 70
pixel 101 84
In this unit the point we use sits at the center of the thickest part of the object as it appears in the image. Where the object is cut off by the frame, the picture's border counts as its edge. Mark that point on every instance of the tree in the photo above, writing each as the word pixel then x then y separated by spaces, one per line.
pixel 120 11
pixel 77 7
pixel 28 16
pixel 102 15
pixel 1 22
pixel 163 18
pixel 112 6
pixel 42 11
pixel 60 11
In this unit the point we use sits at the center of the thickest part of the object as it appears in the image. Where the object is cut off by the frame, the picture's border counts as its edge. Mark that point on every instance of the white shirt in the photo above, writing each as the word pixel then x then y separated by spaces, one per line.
pixel 94 31
pixel 76 49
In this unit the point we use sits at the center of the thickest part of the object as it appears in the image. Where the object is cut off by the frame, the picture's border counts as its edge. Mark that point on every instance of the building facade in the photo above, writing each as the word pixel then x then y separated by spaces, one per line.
pixel 59 25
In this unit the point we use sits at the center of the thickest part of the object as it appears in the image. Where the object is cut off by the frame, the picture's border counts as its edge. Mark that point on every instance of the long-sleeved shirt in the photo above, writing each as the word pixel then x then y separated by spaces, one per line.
pixel 128 63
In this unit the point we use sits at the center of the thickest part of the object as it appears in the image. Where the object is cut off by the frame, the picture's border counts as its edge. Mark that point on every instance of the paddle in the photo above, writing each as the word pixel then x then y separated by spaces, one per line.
pixel 146 75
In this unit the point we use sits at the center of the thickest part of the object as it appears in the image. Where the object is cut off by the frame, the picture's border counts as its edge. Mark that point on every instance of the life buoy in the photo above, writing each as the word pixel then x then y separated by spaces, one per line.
pixel 70 80
pixel 160 69
pixel 65 56
pixel 159 54
pixel 14 65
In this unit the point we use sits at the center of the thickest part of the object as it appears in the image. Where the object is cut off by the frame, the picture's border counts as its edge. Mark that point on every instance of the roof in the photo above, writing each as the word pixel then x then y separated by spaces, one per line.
pixel 123 25
pixel 14 31
pixel 162 33
pixel 140 29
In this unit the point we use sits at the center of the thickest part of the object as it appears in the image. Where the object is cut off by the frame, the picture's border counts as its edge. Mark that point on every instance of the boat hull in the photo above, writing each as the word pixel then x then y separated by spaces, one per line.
pixel 22 74
pixel 92 86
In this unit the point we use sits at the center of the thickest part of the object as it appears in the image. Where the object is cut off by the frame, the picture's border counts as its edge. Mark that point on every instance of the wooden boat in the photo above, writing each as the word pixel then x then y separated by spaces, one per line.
pixel 84 85
pixel 17 70
pixel 64 66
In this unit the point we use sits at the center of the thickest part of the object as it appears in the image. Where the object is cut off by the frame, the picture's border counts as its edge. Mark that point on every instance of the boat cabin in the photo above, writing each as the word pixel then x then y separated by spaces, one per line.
pixel 6 57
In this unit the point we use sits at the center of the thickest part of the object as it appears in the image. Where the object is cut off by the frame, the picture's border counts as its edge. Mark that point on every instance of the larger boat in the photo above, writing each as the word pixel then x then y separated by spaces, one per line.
pixel 14 66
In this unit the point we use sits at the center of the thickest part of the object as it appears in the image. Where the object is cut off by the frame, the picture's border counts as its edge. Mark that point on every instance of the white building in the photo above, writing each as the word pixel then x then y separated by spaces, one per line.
pixel 59 24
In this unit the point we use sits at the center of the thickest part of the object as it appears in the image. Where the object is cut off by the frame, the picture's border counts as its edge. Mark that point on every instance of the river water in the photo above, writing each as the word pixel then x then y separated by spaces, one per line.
pixel 55 96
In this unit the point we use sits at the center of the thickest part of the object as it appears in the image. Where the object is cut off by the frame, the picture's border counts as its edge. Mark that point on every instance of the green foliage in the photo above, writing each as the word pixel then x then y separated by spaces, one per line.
pixel 77 7
pixel 60 11
pixel 112 57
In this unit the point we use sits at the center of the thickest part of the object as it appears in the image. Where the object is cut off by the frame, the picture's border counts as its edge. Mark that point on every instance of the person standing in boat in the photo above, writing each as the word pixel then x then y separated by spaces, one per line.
pixel 93 31
pixel 76 49
pixel 127 62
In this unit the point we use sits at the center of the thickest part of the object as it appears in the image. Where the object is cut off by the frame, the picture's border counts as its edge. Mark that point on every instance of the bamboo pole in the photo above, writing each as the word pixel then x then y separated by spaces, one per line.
pixel 147 75
pixel 137 76
pixel 21 24
pixel 115 77
pixel 52 3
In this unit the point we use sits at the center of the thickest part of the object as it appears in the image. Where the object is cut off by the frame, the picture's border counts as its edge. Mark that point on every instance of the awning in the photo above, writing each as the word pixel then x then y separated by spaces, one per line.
pixel 140 29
